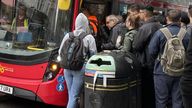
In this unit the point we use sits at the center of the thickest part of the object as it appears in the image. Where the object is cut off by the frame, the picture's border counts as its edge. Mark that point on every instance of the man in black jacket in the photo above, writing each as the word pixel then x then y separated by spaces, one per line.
pixel 186 79
pixel 140 43
pixel 117 31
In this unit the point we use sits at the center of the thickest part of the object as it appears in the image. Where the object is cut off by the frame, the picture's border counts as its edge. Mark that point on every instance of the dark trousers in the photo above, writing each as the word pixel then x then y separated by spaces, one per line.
pixel 148 92
pixel 167 90
pixel 186 91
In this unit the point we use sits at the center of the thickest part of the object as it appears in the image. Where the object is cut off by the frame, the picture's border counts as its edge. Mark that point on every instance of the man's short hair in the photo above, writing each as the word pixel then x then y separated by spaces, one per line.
pixel 174 15
pixel 113 18
pixel 149 10
pixel 185 18
pixel 134 7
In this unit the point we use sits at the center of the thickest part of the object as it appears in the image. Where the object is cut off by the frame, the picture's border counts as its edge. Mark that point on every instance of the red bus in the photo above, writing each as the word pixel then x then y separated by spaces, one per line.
pixel 28 65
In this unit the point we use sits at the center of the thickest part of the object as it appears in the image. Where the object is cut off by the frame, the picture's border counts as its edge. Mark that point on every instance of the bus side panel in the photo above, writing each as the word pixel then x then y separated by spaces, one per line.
pixel 30 72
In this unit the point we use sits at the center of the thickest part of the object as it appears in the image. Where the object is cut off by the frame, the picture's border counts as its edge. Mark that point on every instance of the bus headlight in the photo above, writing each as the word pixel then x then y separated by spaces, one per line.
pixel 54 67
pixel 51 71
pixel 49 75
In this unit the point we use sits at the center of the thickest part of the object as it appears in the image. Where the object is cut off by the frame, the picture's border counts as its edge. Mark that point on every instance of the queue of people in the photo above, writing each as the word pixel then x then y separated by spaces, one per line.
pixel 143 35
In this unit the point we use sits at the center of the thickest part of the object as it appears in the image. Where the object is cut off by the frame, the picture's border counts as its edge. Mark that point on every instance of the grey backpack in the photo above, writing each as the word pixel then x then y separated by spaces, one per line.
pixel 173 56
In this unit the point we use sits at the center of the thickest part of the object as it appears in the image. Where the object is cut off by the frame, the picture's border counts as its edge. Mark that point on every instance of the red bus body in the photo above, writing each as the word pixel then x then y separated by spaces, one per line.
pixel 26 72
pixel 27 83
pixel 27 80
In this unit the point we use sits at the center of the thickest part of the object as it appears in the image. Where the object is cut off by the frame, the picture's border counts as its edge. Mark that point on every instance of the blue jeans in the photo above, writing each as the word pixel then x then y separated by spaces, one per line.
pixel 167 87
pixel 74 80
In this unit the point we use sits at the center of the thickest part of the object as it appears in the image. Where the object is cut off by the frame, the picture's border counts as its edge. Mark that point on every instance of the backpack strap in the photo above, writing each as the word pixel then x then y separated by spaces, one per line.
pixel 71 35
pixel 168 36
pixel 166 32
pixel 181 33
pixel 83 35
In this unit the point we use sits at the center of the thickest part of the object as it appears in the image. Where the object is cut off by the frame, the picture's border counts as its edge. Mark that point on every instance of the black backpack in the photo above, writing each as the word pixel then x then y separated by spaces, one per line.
pixel 72 56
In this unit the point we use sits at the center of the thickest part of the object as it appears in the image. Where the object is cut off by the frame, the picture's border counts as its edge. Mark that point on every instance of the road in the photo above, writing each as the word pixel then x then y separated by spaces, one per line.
pixel 7 101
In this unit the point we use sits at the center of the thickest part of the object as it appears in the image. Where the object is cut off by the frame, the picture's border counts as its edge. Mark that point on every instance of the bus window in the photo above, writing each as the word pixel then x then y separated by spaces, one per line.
pixel 123 9
pixel 6 13
pixel 44 19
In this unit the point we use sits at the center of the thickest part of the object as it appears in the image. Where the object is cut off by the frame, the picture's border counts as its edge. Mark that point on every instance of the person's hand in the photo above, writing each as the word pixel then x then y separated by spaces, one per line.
pixel 102 46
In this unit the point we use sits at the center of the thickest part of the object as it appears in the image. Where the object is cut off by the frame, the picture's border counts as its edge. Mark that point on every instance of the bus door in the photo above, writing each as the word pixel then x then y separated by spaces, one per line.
pixel 99 8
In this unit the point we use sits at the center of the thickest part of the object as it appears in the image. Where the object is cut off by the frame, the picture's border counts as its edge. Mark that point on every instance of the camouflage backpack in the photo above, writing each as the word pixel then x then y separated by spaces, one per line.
pixel 173 56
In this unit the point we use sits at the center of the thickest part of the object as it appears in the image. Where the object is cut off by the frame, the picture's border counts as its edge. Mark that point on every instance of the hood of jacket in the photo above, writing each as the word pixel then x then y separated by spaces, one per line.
pixel 81 24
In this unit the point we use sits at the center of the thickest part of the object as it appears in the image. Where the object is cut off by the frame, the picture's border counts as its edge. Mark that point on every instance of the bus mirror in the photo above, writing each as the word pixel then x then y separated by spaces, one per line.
pixel 64 4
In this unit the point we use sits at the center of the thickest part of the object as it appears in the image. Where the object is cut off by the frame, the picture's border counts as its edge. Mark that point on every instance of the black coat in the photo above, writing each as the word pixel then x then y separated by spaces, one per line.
pixel 142 39
pixel 118 30
pixel 188 62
